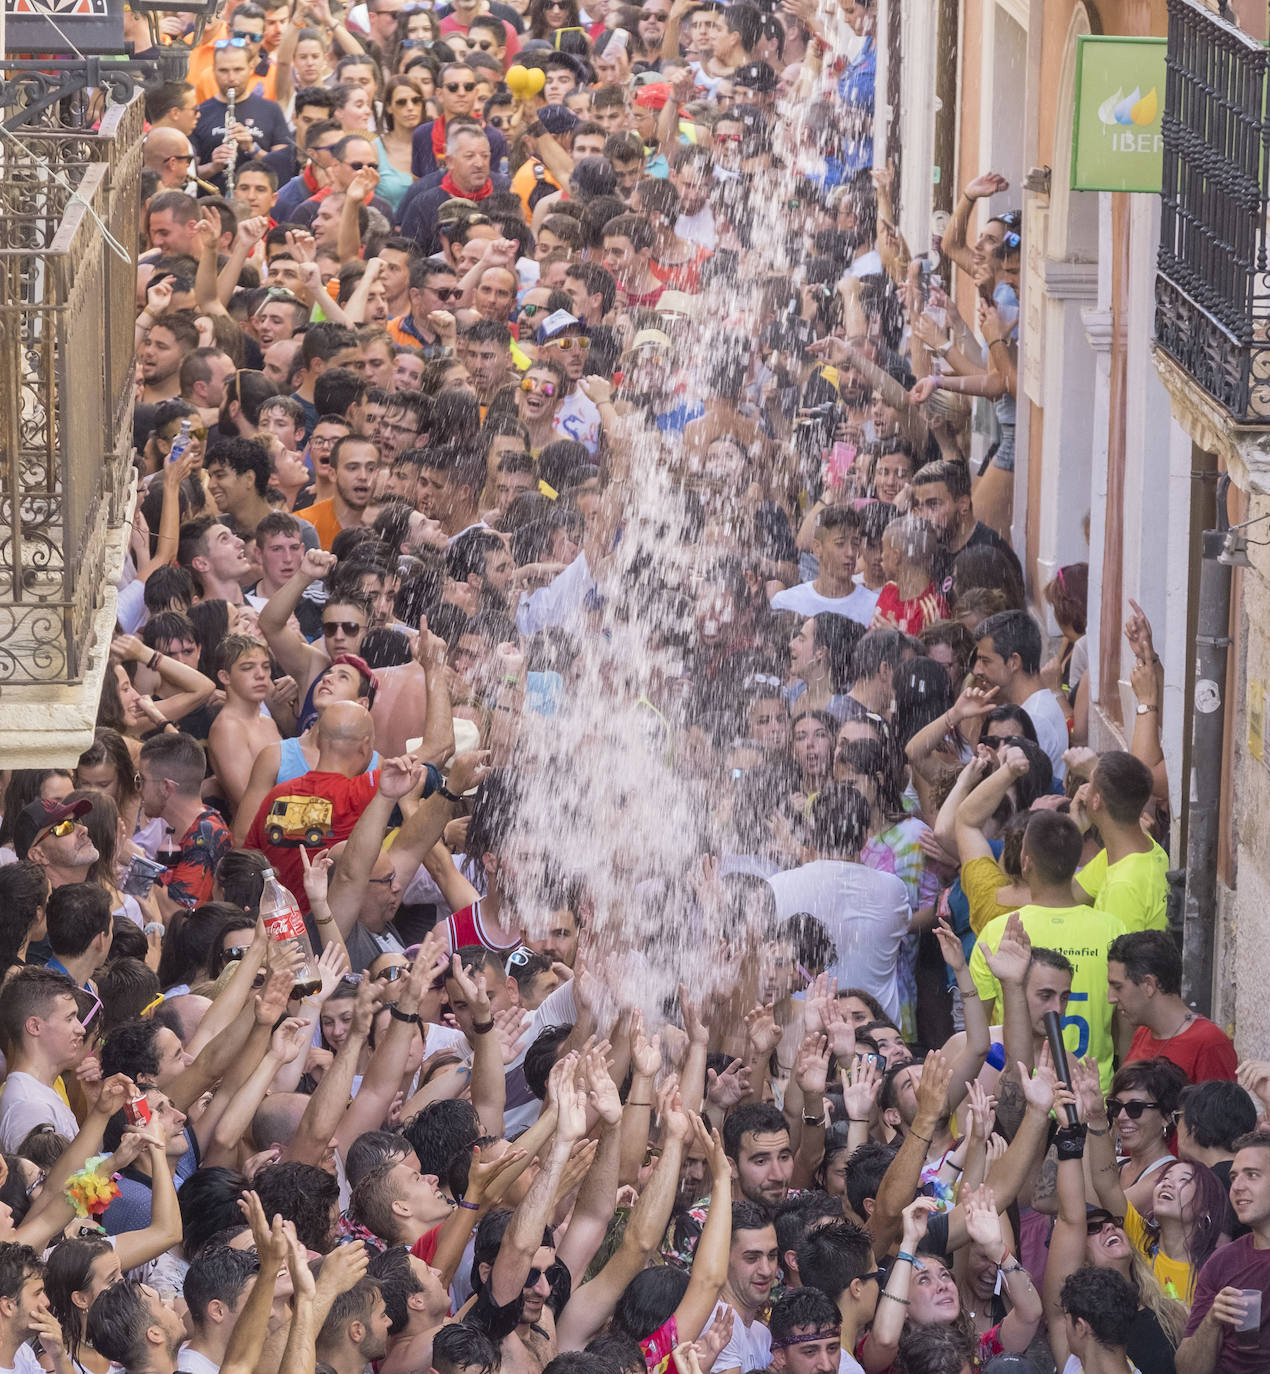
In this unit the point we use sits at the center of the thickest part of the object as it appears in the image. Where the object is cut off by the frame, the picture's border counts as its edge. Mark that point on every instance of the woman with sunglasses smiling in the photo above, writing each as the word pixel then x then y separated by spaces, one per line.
pixel 539 398
pixel 1096 1236
pixel 403 113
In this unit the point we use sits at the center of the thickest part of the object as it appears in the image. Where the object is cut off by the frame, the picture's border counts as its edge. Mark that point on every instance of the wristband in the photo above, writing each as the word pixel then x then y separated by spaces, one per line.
pixel 153 661
pixel 903 1302
pixel 483 1029
pixel 813 1120
pixel 469 1206
pixel 926 1138
pixel 1070 1141
pixel 637 1104
pixel 939 381
pixel 445 792
pixel 511 679
pixel 397 1014
pixel 1093 1130
pixel 858 1120
pixel 904 1255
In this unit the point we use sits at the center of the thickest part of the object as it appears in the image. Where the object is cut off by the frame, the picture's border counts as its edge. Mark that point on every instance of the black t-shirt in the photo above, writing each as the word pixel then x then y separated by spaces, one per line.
pixel 981 534
pixel 263 117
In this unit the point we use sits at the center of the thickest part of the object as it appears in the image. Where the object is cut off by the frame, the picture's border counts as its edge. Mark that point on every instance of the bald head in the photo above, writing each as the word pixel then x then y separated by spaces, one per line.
pixel 345 738
pixel 277 1119
pixel 187 1011
pixel 168 152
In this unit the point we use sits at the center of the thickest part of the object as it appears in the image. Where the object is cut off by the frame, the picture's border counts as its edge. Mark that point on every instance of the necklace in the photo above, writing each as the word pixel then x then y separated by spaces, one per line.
pixel 1181 1025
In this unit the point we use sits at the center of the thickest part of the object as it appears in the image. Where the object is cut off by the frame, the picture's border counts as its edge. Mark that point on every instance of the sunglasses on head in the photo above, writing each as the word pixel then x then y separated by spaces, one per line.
pixel 547 388
pixel 348 627
pixel 518 958
pixel 455 86
pixel 1133 1110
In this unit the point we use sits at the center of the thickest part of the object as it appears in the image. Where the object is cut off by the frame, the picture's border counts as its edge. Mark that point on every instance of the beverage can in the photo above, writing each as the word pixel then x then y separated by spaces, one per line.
pixel 137 1111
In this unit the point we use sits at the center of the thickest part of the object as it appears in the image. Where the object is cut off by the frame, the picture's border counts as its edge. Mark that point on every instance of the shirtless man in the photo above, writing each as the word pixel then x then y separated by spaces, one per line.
pixel 240 731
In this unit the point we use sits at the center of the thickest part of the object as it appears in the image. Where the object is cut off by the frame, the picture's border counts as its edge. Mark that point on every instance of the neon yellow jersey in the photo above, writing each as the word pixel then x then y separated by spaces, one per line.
pixel 1133 888
pixel 1176 1277
pixel 1082 934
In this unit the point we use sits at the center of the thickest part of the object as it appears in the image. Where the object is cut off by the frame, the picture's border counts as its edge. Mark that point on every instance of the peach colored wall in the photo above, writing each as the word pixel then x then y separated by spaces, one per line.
pixel 1135 17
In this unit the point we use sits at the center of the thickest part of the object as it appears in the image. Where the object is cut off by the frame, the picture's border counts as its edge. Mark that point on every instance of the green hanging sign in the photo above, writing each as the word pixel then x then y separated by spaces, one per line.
pixel 1117 141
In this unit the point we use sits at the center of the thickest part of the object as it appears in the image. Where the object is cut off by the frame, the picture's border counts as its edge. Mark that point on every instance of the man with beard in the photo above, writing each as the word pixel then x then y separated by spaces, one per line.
pixel 52 835
pixel 167 344
pixel 478 560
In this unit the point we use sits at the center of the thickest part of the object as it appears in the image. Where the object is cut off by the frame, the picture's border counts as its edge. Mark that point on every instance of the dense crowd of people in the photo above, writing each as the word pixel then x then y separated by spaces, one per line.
pixel 590 858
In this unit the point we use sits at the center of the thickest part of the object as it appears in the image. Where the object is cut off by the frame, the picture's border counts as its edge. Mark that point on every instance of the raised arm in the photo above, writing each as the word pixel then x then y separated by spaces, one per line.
pixel 524 1231
pixel 710 1259
pixel 969 1060
pixel 297 658
pixel 899 1183
pixel 593 1210
pixel 489 1080
pixel 135 1248
pixel 954 242
pixel 252 1326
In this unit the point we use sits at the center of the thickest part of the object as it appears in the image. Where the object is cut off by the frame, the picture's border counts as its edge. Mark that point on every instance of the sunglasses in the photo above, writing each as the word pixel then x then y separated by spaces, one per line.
pixel 878 1274
pixel 233 952
pixel 500 121
pixel 61 829
pixel 397 971
pixel 529 311
pixel 1133 1110
pixel 1095 1224
pixel 180 157
pixel 348 627
pixel 236 42
pixel 400 102
pixel 729 138
pixel 485 47
pixel 248 36
pixel 454 87
pixel 547 388
pixel 447 293
pixel 359 166
pixel 518 958
pixel 566 344
pixel 382 882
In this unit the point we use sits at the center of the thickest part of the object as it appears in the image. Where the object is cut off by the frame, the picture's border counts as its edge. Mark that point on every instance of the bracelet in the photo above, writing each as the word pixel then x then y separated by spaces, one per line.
pixel 939 381
pixel 511 679
pixel 858 1120
pixel 469 1206
pixel 153 661
pixel 926 1138
pixel 1093 1130
pixel 903 1302
pixel 483 1029
pixel 325 921
pixel 814 1120
pixel 445 792
pixel 904 1255
pixel 637 1104
pixel 996 341
pixel 1005 1255
pixel 412 1017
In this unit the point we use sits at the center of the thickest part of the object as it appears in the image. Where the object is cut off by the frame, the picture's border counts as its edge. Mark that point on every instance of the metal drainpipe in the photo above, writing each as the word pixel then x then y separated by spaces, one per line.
pixel 1212 643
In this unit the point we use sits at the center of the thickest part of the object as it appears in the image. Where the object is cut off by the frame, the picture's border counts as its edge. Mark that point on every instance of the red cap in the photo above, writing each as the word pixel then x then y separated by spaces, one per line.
pixel 654 95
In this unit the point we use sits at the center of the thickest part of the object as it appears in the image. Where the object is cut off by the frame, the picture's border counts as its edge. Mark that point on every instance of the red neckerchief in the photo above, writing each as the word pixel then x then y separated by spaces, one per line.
pixel 447 184
pixel 438 140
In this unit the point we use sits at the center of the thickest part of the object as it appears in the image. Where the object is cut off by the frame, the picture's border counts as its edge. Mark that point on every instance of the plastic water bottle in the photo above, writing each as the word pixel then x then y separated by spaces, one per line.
pixel 181 442
pixel 280 912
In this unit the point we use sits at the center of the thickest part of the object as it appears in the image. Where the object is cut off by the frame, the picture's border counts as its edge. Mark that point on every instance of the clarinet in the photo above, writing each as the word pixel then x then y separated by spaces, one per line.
pixel 231 97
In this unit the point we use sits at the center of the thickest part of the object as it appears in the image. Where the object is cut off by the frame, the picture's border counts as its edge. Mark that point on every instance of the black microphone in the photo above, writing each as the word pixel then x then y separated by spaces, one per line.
pixel 1058 1052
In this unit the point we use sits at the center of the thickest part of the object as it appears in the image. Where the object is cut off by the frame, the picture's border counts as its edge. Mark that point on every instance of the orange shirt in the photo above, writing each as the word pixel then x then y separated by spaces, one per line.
pixel 199 73
pixel 322 517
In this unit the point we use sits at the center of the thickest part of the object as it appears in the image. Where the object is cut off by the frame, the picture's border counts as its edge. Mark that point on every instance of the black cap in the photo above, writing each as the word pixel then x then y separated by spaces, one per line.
pixel 41 815
pixel 756 76
pixel 593 176
pixel 558 119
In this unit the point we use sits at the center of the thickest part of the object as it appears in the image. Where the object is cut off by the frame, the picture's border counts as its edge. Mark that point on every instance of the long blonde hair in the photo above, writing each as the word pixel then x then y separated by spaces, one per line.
pixel 1169 1312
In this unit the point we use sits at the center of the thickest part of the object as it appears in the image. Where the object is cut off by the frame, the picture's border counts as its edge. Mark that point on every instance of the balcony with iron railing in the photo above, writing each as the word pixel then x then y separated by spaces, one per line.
pixel 1212 295
pixel 68 226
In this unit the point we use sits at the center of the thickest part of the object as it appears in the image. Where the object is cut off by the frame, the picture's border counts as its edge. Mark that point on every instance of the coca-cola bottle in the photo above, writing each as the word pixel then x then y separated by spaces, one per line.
pixel 280 912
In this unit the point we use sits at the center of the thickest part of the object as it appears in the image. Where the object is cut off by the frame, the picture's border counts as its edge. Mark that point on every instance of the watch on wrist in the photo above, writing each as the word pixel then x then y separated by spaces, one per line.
pixel 411 1016
pixel 445 792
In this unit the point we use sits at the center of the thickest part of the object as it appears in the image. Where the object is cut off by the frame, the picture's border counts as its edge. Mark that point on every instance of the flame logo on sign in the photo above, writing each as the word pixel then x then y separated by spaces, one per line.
pixel 1134 108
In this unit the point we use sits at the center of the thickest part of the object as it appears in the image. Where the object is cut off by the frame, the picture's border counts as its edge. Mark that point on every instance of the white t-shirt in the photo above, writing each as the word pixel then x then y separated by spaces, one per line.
pixel 1051 729
pixel 804 599
pixel 191 1362
pixel 866 914
pixel 25 1104
pixel 699 228
pixel 749 1348
pixel 578 419
pixel 848 1364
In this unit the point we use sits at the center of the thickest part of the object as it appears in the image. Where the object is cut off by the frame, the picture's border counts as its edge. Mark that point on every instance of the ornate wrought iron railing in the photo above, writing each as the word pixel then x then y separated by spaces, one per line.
pixel 1212 295
pixel 68 223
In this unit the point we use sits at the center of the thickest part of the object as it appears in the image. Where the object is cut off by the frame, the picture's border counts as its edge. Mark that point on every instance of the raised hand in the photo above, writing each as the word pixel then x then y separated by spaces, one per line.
pixel 341 1270
pixel 1010 961
pixel 487 1179
pixel 290 1040
pixel 950 946
pixel 1087 1087
pixel 370 997
pixel 725 1090
pixel 973 704
pixel 986 184
pixel 698 1031
pixel 468 771
pixel 676 1124
pixel 861 1083
pixel 811 1067
pixel 317 879
pixel 333 961
pixel 932 1089
pixel 710 1143
pixel 317 563
pixel 979 1110
pixel 983 1221
pixel 601 1091
pixel 1137 630
pixel 914 1219
pixel 645 1053
pixel 472 987
pixel 1038 1087
pixel 761 1030
pixel 398 777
